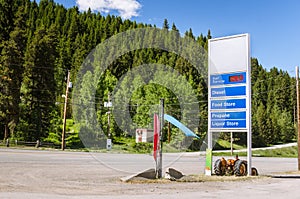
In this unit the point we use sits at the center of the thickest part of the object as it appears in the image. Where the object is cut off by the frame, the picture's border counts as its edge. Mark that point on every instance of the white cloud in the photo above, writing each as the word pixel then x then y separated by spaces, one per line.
pixel 126 8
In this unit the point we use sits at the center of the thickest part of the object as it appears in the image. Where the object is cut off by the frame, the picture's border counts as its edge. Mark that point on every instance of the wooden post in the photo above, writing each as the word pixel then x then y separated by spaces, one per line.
pixel 169 132
pixel 298 114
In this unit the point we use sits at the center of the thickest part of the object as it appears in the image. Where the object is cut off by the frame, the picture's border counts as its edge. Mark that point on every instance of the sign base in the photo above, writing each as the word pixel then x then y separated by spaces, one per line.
pixel 208 162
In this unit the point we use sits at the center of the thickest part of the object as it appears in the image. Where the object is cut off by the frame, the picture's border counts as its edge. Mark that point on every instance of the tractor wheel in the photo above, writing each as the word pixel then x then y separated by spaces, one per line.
pixel 219 171
pixel 254 171
pixel 240 168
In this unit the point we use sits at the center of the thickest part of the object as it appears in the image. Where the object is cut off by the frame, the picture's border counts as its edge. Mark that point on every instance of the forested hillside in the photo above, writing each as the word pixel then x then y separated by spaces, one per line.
pixel 39 43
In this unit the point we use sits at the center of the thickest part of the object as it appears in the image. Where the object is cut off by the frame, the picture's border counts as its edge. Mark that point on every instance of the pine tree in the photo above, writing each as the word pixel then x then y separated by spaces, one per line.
pixel 174 28
pixel 39 84
pixel 166 25
pixel 12 70
pixel 190 34
pixel 8 9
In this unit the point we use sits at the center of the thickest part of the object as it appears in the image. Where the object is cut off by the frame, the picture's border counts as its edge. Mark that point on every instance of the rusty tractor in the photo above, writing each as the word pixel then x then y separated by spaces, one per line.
pixel 235 167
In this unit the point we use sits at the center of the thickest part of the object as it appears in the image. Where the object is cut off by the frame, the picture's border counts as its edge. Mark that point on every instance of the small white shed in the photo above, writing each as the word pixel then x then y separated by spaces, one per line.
pixel 143 135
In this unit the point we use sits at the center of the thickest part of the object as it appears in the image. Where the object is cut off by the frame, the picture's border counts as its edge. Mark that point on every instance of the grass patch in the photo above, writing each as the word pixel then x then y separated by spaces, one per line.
pixel 288 152
pixel 128 145
pixel 223 144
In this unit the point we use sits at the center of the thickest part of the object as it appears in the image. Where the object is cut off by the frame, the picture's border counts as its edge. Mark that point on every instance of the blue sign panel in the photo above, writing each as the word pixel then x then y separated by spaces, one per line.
pixel 228 115
pixel 228 124
pixel 228 91
pixel 228 104
pixel 224 79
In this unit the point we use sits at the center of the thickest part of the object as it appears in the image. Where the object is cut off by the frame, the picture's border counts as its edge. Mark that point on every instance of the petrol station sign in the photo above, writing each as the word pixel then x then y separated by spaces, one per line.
pixel 229 84
pixel 229 87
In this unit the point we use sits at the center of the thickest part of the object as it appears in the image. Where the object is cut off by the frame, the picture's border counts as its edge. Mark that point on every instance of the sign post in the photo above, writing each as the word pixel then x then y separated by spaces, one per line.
pixel 155 139
pixel 229 88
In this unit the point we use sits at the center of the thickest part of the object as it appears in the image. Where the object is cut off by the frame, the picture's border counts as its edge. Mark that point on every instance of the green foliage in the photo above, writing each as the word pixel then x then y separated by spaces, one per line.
pixel 106 85
pixel 39 82
pixel 11 62
pixel 273 104
pixel 40 42
pixel 71 138
pixel 143 147
pixel 54 138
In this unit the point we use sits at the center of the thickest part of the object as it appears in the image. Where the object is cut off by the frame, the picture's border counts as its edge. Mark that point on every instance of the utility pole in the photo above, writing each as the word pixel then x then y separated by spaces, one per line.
pixel 298 114
pixel 162 104
pixel 169 132
pixel 65 113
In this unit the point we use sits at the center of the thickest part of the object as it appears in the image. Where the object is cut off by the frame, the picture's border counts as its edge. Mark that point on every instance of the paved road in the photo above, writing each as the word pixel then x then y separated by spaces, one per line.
pixel 56 174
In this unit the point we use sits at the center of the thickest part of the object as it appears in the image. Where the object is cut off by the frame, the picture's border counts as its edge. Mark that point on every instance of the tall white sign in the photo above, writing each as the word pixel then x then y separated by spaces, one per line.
pixel 229 87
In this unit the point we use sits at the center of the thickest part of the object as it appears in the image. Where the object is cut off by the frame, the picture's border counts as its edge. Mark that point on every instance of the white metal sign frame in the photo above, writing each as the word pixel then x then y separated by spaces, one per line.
pixel 229 88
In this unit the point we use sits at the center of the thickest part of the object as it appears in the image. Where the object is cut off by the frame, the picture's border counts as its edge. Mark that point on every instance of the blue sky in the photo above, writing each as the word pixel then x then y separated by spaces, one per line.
pixel 273 25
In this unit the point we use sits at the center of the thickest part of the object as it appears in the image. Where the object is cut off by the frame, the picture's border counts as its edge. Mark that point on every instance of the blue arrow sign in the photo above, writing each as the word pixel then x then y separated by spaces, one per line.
pixel 228 115
pixel 228 91
pixel 228 124
pixel 228 104
pixel 181 126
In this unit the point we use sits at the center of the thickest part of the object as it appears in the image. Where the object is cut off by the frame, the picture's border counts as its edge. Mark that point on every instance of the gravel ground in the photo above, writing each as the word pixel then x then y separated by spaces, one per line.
pixel 56 174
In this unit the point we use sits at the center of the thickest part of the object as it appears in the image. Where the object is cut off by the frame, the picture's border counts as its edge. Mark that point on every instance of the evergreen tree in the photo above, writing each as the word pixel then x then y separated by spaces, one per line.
pixel 39 84
pixel 166 25
pixel 190 34
pixel 8 9
pixel 12 70
pixel 174 28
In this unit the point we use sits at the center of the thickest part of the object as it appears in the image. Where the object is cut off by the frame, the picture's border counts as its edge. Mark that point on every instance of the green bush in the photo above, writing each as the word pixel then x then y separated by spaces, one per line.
pixel 142 147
